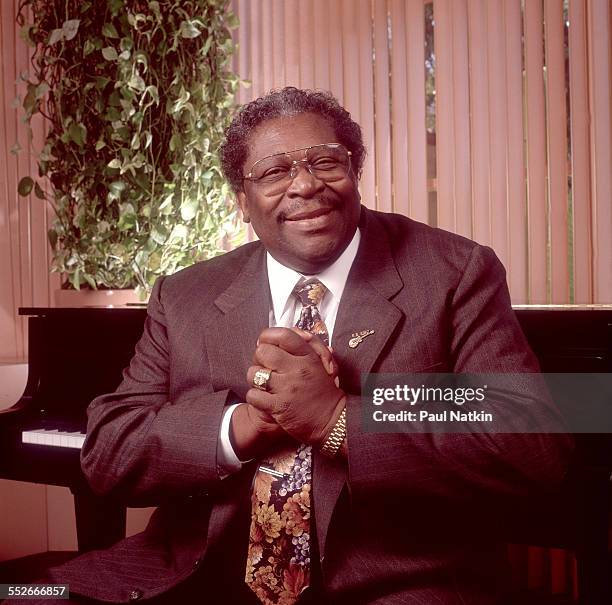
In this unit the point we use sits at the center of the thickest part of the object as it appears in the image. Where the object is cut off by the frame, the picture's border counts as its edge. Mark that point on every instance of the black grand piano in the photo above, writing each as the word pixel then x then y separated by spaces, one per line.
pixel 76 354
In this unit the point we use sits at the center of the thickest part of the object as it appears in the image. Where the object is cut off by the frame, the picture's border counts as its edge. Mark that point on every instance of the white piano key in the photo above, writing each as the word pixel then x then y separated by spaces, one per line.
pixel 76 440
pixel 28 437
pixel 49 437
pixel 54 438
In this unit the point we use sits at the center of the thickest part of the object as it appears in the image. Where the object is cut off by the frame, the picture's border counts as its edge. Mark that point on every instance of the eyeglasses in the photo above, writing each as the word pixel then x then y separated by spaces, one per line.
pixel 327 162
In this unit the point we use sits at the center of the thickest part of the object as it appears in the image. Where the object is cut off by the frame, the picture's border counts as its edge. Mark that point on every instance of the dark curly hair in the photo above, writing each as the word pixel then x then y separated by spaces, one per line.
pixel 287 101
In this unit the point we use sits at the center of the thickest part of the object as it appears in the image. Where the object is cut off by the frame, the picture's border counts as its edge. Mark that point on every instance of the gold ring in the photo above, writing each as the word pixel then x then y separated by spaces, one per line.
pixel 260 380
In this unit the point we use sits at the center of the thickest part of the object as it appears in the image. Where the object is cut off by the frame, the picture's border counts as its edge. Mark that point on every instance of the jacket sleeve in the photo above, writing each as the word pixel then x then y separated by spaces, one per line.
pixel 485 338
pixel 141 444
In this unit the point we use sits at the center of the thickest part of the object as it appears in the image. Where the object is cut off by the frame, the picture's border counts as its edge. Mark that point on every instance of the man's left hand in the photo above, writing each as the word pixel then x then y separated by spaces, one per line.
pixel 302 395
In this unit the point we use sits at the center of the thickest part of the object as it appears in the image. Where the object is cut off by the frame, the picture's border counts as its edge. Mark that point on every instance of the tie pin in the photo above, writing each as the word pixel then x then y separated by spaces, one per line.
pixel 271 471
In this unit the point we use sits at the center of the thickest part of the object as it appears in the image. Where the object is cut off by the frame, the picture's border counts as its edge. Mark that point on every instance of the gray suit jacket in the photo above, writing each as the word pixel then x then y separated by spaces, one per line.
pixel 408 518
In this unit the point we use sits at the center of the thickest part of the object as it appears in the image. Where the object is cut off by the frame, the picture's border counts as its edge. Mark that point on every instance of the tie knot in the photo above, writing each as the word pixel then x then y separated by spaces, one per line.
pixel 310 292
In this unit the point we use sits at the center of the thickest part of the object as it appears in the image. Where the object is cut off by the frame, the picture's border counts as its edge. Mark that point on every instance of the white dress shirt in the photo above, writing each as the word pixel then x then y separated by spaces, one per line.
pixel 285 312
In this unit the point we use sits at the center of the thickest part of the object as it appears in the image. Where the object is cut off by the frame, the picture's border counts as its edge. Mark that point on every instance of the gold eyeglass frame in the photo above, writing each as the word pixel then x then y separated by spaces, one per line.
pixel 294 163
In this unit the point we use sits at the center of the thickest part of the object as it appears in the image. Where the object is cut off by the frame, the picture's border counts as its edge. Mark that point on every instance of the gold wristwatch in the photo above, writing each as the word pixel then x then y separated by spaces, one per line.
pixel 336 437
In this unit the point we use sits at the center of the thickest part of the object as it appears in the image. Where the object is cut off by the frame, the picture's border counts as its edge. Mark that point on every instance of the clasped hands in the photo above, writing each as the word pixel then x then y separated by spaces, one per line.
pixel 302 401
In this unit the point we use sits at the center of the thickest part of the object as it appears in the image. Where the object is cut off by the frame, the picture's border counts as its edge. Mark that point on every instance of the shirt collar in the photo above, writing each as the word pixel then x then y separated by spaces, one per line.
pixel 283 280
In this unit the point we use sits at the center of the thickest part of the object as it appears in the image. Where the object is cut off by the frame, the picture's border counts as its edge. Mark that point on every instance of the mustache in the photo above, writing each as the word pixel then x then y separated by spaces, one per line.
pixel 319 203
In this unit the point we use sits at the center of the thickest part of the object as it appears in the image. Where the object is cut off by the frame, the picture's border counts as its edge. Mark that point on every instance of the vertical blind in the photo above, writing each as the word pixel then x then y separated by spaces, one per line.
pixel 518 154
pixel 490 119
pixel 24 252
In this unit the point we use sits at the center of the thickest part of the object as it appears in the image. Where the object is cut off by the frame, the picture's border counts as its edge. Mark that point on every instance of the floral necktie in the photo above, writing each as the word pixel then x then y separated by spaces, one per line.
pixel 278 558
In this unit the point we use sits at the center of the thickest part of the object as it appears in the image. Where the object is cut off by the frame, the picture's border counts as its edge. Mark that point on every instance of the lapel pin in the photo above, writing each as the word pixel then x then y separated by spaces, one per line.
pixel 358 337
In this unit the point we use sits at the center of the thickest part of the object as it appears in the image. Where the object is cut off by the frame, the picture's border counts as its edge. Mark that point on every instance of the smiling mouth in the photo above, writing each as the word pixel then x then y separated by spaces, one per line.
pixel 309 214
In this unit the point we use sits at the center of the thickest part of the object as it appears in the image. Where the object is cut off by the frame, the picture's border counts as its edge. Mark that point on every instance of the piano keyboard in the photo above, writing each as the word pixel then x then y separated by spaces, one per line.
pixel 54 438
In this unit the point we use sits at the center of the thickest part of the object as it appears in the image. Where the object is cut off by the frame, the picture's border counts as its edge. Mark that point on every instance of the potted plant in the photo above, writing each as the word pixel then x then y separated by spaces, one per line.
pixel 136 95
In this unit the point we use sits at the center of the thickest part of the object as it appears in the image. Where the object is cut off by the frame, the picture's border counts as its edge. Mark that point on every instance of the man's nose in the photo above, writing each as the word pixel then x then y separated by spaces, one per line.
pixel 304 183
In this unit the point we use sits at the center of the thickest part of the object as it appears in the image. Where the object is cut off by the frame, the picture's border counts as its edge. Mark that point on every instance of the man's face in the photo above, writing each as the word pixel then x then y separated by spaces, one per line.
pixel 308 224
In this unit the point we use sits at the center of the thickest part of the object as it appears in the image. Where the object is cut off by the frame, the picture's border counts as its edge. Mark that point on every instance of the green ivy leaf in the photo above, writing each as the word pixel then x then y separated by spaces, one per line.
pixel 231 21
pixel 24 34
pixel 38 192
pixel 101 82
pixel 41 90
pixel 52 237
pixel 127 217
pixel 116 187
pixel 166 206
pixel 136 83
pixel 77 133
pixel 109 31
pixel 88 47
pixel 179 232
pixel 110 54
pixel 91 281
pixel 75 279
pixel 100 145
pixel 189 208
pixel 25 186
pixel 126 44
pixel 114 99
pixel 175 142
pixel 70 28
pixel 116 6
pixel 114 163
pixel 189 29
pixel 113 115
pixel 159 234
pixel 55 36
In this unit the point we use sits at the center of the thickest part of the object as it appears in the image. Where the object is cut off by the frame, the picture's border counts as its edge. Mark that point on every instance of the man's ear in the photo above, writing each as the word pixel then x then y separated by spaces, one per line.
pixel 243 203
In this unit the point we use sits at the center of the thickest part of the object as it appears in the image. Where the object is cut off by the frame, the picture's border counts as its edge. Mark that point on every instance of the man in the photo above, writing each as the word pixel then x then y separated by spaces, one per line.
pixel 246 431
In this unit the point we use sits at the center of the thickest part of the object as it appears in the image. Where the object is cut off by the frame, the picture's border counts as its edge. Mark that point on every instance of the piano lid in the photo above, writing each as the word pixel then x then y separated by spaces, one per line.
pixel 131 310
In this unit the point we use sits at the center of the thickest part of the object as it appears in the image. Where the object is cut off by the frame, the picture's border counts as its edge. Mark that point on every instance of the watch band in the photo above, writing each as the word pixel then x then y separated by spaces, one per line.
pixel 336 437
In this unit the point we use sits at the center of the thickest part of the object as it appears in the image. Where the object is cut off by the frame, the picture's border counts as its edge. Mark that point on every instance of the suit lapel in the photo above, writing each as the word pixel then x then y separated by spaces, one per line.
pixel 365 305
pixel 232 335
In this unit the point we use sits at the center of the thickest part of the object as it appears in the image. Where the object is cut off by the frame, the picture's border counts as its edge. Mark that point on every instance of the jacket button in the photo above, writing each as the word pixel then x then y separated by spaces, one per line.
pixel 135 595
pixel 197 564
